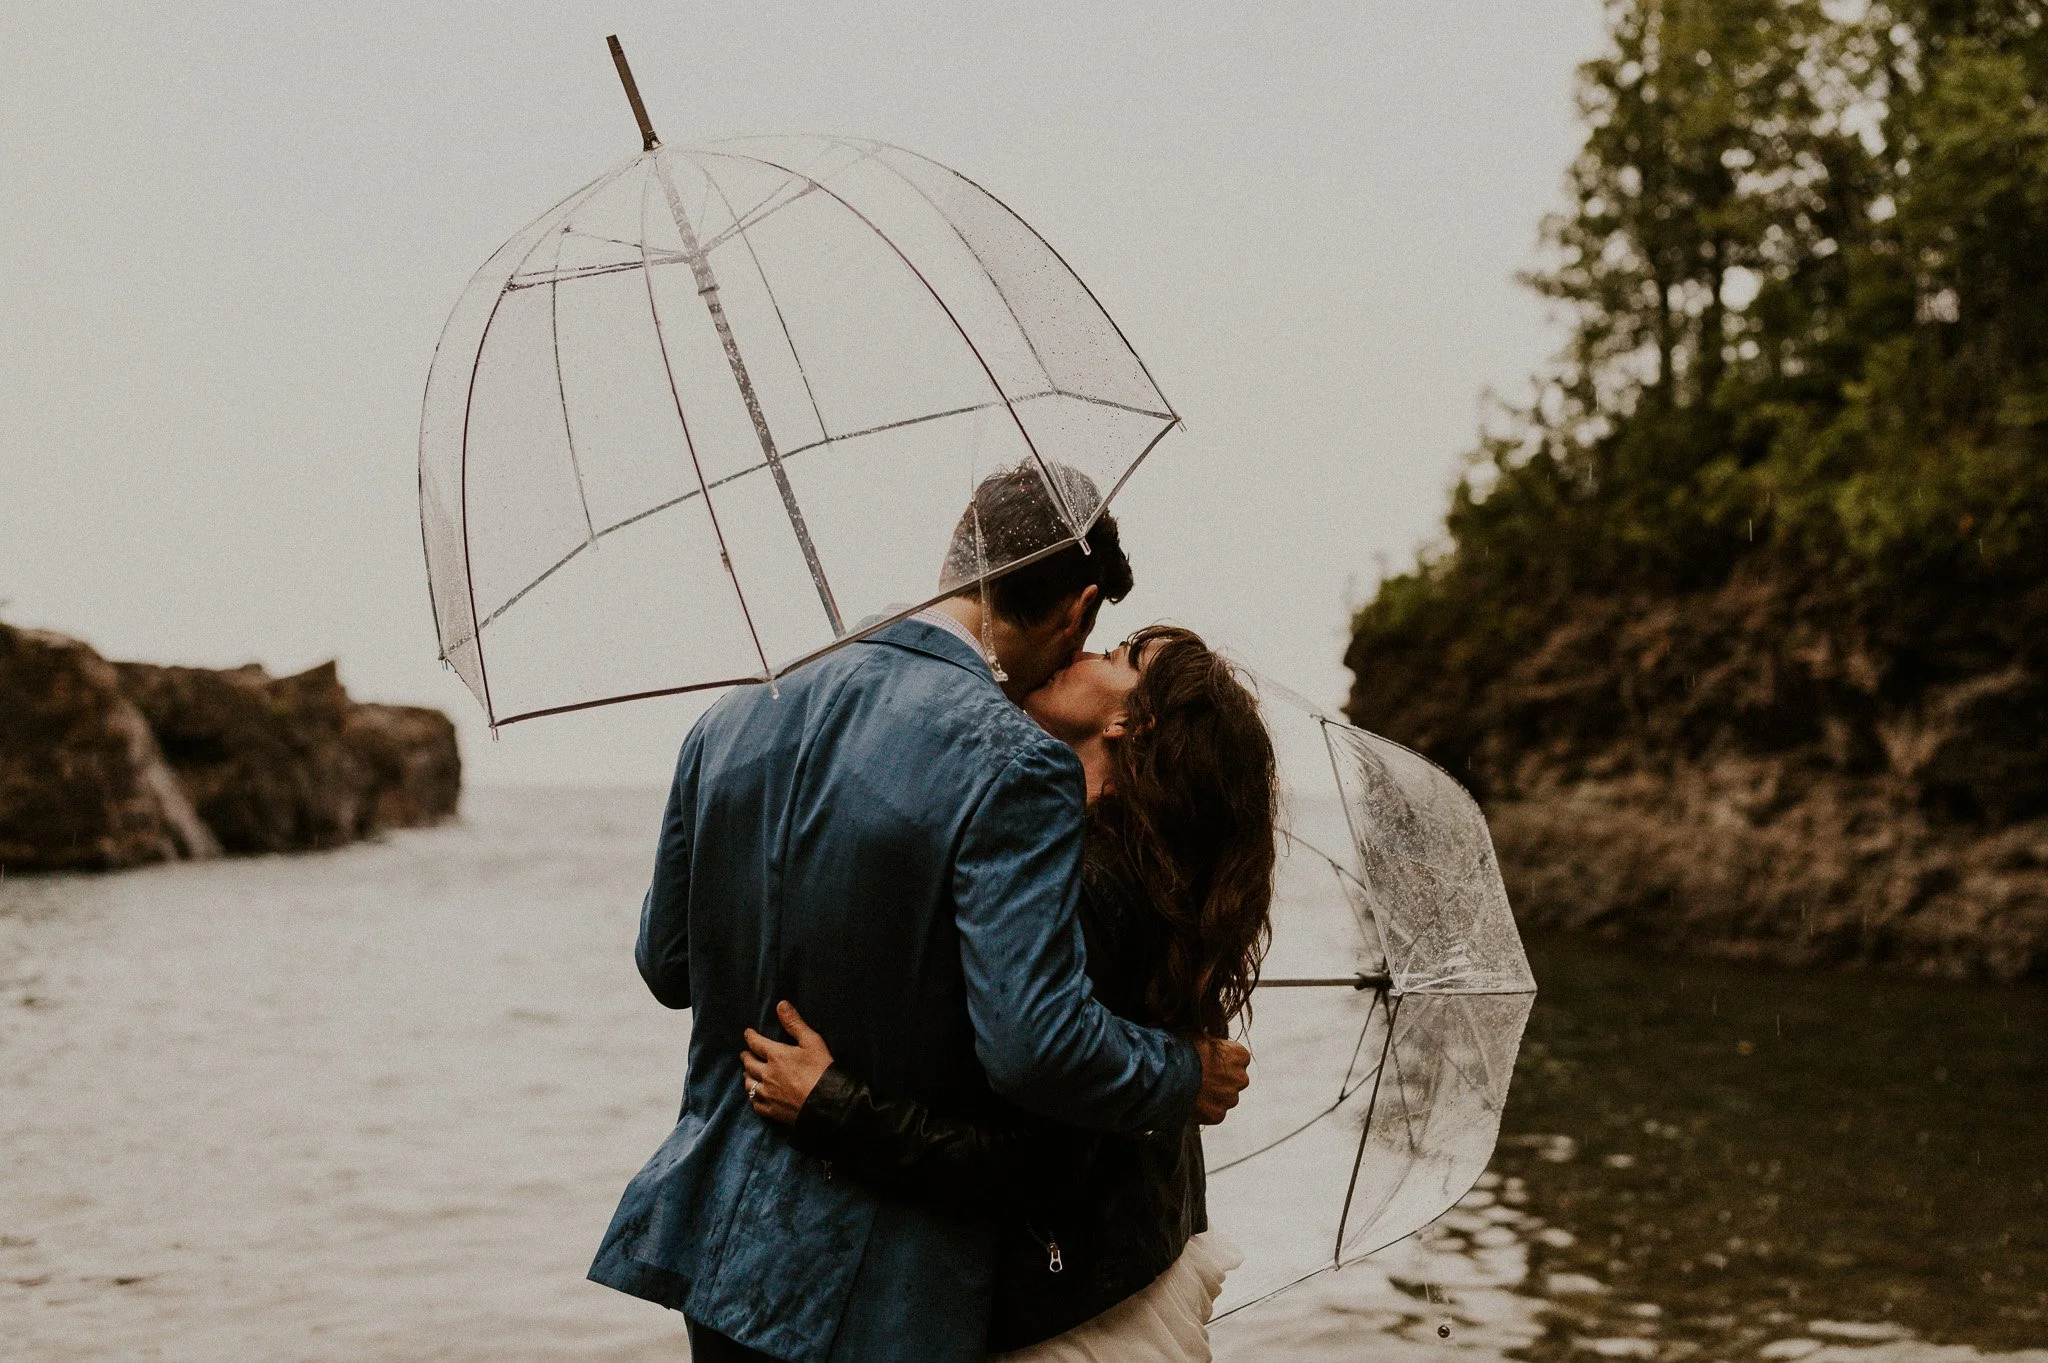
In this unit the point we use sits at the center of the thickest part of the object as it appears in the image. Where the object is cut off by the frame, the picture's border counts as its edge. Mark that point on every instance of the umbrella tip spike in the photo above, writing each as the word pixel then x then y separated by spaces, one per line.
pixel 648 141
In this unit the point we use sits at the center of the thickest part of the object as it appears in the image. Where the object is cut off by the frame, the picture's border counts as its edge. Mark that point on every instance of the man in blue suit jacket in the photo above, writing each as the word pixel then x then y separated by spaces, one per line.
pixel 895 847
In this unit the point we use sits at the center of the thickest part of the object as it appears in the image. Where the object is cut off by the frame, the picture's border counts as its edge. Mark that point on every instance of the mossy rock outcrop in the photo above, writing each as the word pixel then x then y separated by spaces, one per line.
pixel 1754 771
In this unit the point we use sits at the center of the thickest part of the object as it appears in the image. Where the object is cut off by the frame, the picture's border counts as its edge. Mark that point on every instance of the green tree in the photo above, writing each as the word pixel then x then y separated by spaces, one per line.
pixel 1805 263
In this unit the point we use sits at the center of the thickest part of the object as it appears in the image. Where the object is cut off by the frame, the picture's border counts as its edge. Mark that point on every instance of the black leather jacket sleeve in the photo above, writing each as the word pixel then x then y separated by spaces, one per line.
pixel 901 1146
pixel 1006 1164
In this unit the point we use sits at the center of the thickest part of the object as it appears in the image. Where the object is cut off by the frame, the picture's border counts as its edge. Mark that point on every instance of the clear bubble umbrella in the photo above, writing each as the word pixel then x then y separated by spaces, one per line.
pixel 719 409
pixel 1389 1013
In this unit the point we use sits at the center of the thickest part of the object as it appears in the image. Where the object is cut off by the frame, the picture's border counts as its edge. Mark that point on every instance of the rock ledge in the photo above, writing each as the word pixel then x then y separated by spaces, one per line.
pixel 106 765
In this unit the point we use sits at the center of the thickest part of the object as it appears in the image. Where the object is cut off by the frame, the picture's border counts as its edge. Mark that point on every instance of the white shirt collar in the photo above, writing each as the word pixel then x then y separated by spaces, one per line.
pixel 932 615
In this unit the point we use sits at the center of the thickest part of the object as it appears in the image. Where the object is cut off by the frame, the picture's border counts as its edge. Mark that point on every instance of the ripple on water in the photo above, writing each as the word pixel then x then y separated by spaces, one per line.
pixel 1824 1166
pixel 378 1104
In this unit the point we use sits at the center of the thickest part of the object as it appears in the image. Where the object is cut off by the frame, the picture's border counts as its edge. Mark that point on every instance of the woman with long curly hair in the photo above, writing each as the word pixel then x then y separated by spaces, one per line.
pixel 1104 1250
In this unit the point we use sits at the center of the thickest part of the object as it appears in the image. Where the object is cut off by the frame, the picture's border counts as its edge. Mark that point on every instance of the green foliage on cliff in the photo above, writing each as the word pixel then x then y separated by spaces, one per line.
pixel 1806 266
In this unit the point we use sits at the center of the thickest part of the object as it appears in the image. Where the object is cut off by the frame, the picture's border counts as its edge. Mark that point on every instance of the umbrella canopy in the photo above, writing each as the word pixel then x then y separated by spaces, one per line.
pixel 715 411
pixel 1389 1013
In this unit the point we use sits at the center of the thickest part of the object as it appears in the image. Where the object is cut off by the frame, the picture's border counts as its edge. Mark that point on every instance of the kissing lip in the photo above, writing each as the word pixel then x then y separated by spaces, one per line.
pixel 1053 682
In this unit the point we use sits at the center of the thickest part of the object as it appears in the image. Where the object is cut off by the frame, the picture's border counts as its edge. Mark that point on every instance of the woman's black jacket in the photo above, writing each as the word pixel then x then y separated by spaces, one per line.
pixel 1083 1219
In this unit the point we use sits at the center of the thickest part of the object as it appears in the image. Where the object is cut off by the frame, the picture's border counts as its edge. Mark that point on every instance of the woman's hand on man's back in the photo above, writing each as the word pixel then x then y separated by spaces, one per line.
pixel 780 1077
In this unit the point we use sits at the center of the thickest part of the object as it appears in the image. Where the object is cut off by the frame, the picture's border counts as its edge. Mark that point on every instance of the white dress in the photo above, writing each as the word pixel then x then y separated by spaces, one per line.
pixel 1167 1322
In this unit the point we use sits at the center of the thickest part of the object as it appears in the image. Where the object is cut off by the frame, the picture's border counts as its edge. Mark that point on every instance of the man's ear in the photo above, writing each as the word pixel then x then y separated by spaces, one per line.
pixel 1079 617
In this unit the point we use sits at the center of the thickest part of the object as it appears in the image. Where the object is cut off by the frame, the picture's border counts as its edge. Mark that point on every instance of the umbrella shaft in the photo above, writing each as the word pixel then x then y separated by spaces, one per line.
pixel 707 289
pixel 1330 982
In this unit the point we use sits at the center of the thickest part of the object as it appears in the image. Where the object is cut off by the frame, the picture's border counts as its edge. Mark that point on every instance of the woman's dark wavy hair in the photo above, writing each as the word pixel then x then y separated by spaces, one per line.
pixel 1188 823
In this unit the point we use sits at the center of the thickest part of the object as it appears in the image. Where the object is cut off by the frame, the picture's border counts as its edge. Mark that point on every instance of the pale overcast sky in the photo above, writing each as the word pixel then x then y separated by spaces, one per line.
pixel 232 233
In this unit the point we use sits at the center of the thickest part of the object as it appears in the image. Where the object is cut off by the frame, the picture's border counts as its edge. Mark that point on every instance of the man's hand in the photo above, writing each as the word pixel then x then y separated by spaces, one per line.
pixel 779 1077
pixel 1225 1072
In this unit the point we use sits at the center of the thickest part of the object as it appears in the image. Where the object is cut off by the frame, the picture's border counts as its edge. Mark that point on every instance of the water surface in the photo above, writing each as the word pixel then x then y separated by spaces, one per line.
pixel 377 1104
pixel 1724 1154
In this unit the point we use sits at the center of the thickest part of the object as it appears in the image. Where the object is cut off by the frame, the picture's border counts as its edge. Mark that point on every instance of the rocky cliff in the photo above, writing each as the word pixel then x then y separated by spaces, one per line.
pixel 106 765
pixel 1754 771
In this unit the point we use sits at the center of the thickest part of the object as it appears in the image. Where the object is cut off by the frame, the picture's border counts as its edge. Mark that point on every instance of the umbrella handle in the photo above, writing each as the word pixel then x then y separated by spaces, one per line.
pixel 1359 982
pixel 648 141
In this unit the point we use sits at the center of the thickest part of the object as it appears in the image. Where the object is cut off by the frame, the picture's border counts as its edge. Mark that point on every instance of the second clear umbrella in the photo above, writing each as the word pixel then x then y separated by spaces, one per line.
pixel 1389 1013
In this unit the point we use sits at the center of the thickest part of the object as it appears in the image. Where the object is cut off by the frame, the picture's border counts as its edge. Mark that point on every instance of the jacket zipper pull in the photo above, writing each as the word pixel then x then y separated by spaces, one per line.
pixel 1053 1262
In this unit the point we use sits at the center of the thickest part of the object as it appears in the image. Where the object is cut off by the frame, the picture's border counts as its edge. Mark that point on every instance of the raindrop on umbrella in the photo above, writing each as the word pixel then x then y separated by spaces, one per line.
pixel 713 414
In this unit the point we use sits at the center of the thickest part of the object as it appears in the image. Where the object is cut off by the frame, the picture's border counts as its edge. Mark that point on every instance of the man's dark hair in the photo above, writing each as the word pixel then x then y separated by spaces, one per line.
pixel 1012 517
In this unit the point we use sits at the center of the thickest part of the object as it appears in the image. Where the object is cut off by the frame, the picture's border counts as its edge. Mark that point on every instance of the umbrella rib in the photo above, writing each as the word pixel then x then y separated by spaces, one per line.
pixel 570 200
pixel 773 302
pixel 740 225
pixel 1365 1132
pixel 1342 877
pixel 707 289
pixel 1118 486
pixel 1334 864
pixel 1408 1109
pixel 865 631
pixel 1058 391
pixel 754 217
pixel 1290 1285
pixel 1337 773
pixel 767 201
pixel 1344 1092
pixel 724 556
pixel 867 153
pixel 1430 991
pixel 1052 486
pixel 1278 1141
pixel 1436 986
pixel 867 148
pixel 634 695
pixel 1072 273
pixel 559 275
pixel 566 205
pixel 1262 1299
pixel 580 272
pixel 1366 928
pixel 1485 1080
pixel 476 629
pixel 715 483
pixel 562 394
pixel 564 561
pixel 907 421
pixel 1345 1088
pixel 599 236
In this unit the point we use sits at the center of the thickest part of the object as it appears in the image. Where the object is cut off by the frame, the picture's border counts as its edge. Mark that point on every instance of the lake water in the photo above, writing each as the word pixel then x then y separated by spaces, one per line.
pixel 377 1104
